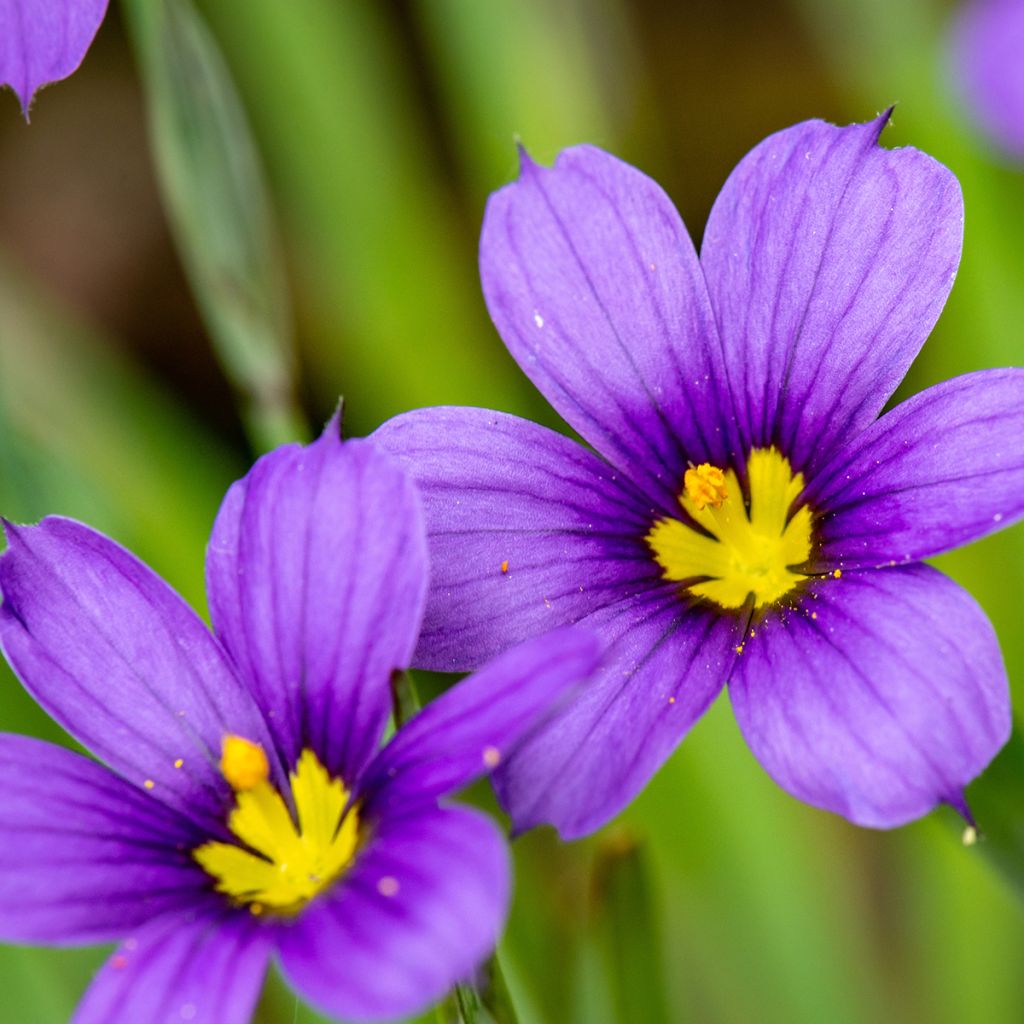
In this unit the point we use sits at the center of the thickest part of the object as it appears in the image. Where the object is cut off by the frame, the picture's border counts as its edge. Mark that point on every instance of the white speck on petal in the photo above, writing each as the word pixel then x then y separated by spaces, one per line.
pixel 538 319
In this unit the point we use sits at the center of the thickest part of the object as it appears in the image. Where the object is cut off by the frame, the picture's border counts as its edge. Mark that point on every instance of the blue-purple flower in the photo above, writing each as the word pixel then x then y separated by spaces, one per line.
pixel 746 515
pixel 43 41
pixel 244 810
pixel 988 54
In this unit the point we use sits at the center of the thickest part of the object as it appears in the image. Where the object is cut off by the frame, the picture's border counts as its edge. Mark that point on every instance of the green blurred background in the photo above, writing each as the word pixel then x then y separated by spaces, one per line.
pixel 150 344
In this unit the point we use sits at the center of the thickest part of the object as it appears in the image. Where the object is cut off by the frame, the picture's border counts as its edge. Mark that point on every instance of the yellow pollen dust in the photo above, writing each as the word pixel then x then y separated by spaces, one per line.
pixel 749 550
pixel 279 865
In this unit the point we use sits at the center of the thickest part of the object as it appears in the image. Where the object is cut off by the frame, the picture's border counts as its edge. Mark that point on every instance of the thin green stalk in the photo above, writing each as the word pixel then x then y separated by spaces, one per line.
pixel 626 918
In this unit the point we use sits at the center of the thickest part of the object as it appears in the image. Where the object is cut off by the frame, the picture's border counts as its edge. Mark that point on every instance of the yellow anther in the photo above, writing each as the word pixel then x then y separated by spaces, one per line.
pixel 179 762
pixel 243 763
pixel 149 783
pixel 705 485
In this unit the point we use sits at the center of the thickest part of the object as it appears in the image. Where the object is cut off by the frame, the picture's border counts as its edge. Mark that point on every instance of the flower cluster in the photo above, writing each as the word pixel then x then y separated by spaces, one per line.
pixel 745 516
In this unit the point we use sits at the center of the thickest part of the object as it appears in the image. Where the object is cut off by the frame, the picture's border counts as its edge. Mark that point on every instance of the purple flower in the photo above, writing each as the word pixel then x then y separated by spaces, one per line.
pixel 42 41
pixel 988 55
pixel 244 810
pixel 747 516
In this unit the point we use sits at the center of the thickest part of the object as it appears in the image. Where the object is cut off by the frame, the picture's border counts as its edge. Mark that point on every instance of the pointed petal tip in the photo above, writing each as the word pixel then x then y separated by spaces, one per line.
pixel 959 804
pixel 10 530
pixel 527 165
pixel 334 426
pixel 882 120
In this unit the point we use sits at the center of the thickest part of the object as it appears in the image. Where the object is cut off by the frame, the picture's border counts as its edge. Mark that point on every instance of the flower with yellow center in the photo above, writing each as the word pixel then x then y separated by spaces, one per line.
pixel 282 865
pixel 744 551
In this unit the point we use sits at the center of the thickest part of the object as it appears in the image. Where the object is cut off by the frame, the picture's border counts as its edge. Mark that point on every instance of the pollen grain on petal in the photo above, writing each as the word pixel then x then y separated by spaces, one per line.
pixel 388 886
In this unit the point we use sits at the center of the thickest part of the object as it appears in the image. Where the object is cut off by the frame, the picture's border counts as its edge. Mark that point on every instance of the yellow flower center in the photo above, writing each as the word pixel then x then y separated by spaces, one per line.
pixel 278 866
pixel 751 550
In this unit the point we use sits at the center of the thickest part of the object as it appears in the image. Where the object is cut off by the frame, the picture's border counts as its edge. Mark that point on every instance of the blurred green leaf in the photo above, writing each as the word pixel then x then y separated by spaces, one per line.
pixel 91 437
pixel 630 929
pixel 220 211
pixel 571 93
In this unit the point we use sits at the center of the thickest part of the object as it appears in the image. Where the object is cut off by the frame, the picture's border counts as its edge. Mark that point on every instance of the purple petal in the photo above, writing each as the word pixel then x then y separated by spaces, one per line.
pixel 884 694
pixel 42 41
pixel 317 576
pixel 828 260
pixel 664 663
pixel 116 656
pixel 942 469
pixel 988 40
pixel 527 529
pixel 86 857
pixel 202 968
pixel 421 908
pixel 477 724
pixel 593 283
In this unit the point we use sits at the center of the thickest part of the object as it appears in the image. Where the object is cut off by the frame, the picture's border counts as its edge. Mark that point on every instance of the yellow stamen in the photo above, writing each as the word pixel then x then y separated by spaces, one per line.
pixel 705 485
pixel 747 551
pixel 243 763
pixel 279 865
